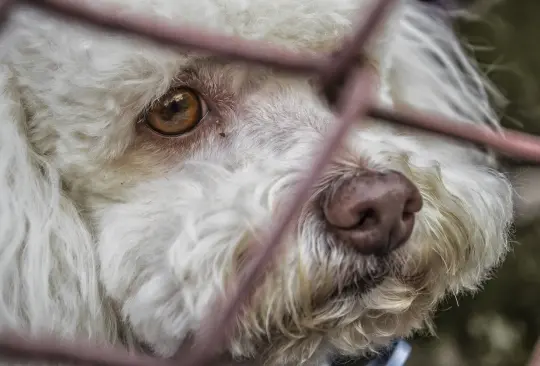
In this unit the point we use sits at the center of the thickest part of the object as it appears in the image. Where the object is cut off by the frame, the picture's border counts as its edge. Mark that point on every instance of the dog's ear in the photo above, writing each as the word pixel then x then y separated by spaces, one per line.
pixel 525 180
pixel 47 262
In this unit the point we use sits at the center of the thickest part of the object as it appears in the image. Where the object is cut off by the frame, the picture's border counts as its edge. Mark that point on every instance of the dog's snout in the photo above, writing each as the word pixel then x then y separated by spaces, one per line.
pixel 373 212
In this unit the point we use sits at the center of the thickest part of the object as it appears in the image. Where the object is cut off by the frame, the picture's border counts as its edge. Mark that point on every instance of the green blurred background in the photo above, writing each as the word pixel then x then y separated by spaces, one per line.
pixel 500 324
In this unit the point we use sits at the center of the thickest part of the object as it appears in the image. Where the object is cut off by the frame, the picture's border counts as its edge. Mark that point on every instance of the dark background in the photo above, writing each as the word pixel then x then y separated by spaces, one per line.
pixel 500 324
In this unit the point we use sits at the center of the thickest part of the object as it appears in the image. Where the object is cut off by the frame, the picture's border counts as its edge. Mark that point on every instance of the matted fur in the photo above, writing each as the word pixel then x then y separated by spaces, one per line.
pixel 111 232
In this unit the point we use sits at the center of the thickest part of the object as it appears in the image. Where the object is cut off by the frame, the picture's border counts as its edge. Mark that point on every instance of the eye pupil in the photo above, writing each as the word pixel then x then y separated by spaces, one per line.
pixel 175 107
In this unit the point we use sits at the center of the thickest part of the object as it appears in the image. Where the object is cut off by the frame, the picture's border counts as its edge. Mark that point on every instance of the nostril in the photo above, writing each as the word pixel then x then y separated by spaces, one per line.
pixel 407 216
pixel 367 219
pixel 414 203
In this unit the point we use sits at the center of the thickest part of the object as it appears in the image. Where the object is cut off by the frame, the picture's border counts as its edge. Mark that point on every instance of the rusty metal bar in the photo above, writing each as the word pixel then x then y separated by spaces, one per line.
pixel 513 143
pixel 265 54
pixel 340 65
pixel 165 33
pixel 15 347
pixel 359 100
pixel 4 7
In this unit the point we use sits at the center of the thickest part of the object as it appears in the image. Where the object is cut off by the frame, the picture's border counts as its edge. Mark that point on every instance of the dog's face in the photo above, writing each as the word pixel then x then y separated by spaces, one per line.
pixel 180 161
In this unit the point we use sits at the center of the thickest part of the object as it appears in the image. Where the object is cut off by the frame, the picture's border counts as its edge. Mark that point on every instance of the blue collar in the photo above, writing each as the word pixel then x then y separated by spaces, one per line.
pixel 396 355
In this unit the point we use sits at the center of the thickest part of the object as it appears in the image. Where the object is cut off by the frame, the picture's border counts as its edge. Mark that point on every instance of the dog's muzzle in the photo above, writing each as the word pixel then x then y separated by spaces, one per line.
pixel 373 212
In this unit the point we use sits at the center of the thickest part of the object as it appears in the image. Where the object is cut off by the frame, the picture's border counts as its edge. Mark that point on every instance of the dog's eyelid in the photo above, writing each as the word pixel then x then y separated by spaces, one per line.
pixel 205 106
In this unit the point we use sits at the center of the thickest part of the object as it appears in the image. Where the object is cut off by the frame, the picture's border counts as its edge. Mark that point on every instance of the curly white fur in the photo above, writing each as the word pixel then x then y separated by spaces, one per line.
pixel 112 233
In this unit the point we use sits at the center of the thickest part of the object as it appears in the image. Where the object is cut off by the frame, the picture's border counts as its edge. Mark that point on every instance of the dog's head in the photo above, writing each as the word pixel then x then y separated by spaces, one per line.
pixel 178 161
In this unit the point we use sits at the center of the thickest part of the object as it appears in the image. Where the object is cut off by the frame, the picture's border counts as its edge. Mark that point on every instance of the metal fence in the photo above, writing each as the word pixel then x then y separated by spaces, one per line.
pixel 346 83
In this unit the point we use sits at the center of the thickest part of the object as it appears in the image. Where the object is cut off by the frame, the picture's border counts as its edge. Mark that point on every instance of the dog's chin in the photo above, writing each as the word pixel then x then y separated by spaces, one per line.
pixel 360 284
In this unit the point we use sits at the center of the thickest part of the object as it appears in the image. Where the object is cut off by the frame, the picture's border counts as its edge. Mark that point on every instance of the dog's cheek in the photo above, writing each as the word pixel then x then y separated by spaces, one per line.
pixel 162 260
pixel 134 240
pixel 462 231
pixel 135 277
pixel 490 203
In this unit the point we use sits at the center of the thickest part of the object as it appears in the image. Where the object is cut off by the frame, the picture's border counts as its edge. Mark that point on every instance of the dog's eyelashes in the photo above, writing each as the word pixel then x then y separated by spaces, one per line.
pixel 178 112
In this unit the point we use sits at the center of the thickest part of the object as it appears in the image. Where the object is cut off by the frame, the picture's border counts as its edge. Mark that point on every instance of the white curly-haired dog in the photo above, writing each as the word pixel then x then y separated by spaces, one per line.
pixel 135 179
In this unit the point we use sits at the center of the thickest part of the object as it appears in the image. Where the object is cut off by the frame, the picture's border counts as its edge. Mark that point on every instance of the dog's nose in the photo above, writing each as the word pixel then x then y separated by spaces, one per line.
pixel 373 212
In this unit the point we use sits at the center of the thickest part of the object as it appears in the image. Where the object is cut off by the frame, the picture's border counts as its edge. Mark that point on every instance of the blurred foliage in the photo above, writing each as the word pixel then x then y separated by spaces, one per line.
pixel 500 324
pixel 505 43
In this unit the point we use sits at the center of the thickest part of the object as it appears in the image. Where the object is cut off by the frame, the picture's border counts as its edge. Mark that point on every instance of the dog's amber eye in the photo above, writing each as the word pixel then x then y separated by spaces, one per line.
pixel 177 113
